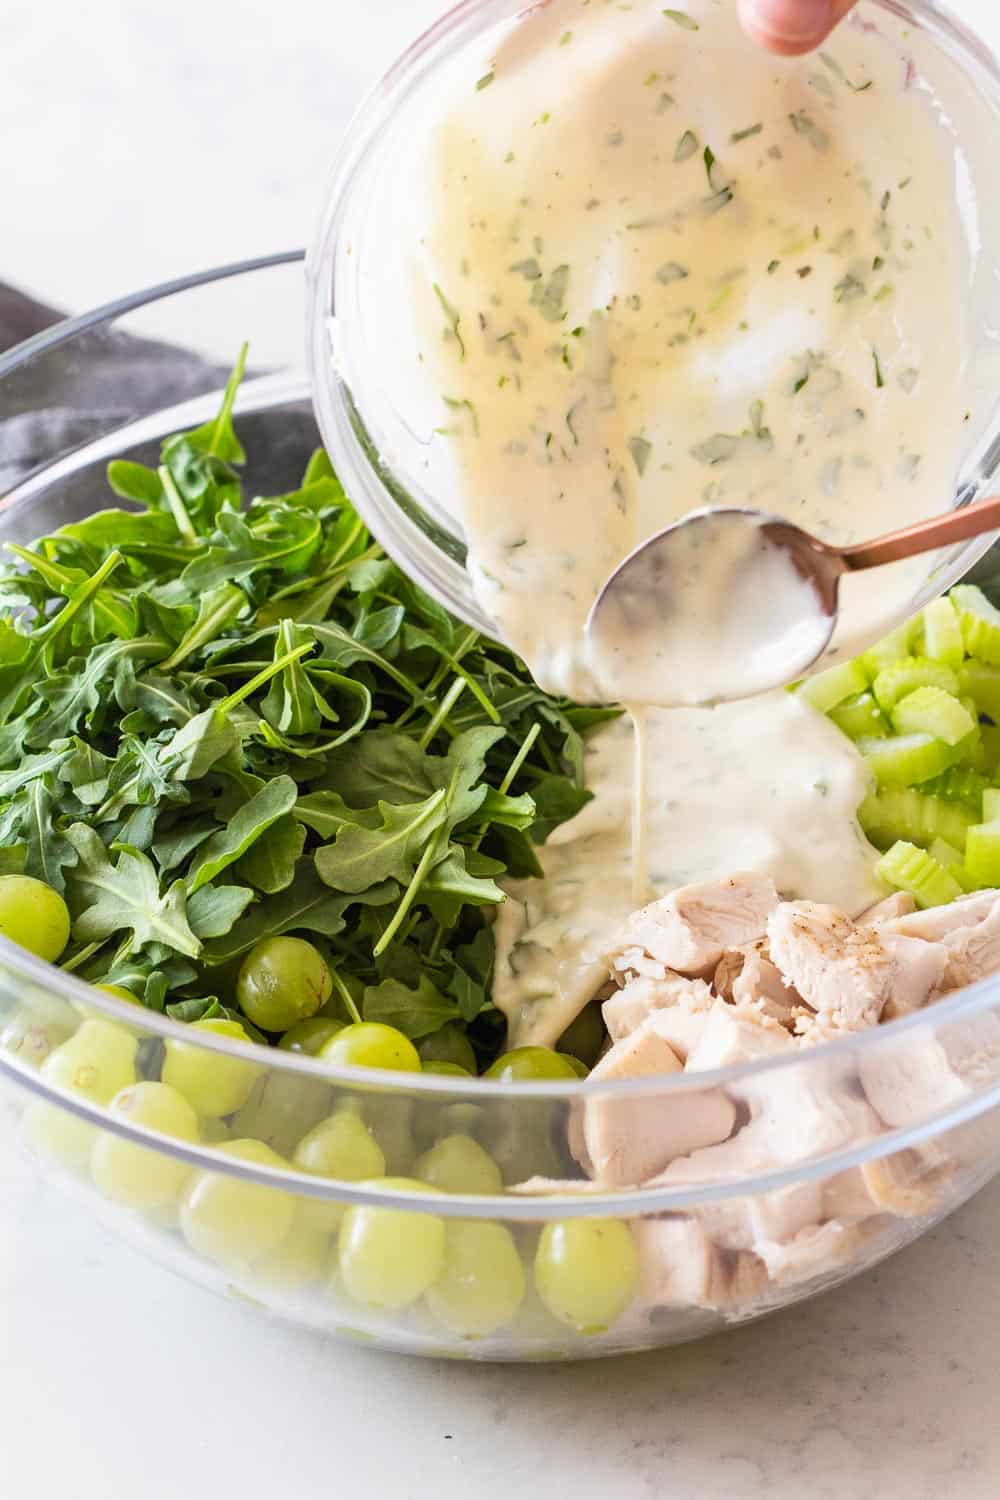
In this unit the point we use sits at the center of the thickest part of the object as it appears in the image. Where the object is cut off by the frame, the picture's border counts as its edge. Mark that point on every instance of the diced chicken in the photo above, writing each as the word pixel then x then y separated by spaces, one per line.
pixel 762 986
pixel 681 1267
pixel 848 974
pixel 899 904
pixel 627 1141
pixel 921 968
pixel 740 1223
pixel 907 1184
pixel 689 931
pixel 973 952
pixel 940 921
pixel 812 1254
pixel 686 1002
pixel 734 1036
pixel 549 1187
pixel 911 1078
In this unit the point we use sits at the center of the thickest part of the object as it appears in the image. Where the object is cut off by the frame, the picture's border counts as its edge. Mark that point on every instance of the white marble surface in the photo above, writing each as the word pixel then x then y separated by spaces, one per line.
pixel 142 138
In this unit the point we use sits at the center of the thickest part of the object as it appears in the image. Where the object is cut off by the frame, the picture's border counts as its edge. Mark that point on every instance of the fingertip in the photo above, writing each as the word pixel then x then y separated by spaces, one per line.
pixel 788 28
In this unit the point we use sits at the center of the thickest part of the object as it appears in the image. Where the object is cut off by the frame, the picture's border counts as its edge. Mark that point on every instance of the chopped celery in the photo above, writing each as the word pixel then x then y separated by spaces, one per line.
pixel 951 858
pixel 930 710
pixel 982 854
pixel 911 869
pixel 991 805
pixel 989 736
pixel 959 784
pixel 900 678
pixel 829 688
pixel 860 716
pixel 905 813
pixel 906 759
pixel 943 633
pixel 981 683
pixel 980 622
pixel 892 648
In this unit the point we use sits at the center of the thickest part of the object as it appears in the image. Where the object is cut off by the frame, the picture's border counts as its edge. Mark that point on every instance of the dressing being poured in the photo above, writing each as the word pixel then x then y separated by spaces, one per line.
pixel 664 271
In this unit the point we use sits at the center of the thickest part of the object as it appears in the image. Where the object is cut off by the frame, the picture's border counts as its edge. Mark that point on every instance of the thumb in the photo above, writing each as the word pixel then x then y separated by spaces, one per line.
pixel 791 27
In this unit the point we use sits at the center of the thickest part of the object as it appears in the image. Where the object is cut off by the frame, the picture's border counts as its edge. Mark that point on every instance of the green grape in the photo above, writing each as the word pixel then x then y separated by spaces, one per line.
pixel 31 1040
pixel 447 1069
pixel 97 1061
pixel 342 1148
pixel 301 1259
pixel 388 1257
pixel 233 1222
pixel 449 1045
pixel 282 981
pixel 144 1177
pixel 579 1068
pixel 34 916
pixel 458 1164
pixel 281 1108
pixel 214 1084
pixel 310 1037
pixel 369 1044
pixel 531 1065
pixel 214 1132
pixel 482 1282
pixel 585 1037
pixel 587 1271
pixel 58 1135
pixel 89 1012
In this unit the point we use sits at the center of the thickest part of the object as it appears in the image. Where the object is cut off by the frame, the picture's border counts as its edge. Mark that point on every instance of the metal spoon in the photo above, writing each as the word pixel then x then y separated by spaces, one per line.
pixel 728 603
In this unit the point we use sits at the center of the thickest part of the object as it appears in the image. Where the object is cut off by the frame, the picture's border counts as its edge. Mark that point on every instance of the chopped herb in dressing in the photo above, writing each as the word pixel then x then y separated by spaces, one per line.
pixel 641 451
pixel 484 82
pixel 718 449
pixel 744 135
pixel 686 147
pixel 453 330
pixel 803 124
pixel 670 272
pixel 681 18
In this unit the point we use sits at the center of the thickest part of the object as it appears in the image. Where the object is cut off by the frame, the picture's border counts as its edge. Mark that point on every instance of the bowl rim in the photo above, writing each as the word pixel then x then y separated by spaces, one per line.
pixel 964 1005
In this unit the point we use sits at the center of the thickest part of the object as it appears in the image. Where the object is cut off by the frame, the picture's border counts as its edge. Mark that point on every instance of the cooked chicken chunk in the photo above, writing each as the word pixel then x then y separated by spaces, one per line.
pixel 681 1267
pixel 914 1076
pixel 689 931
pixel 973 951
pixel 900 904
pixel 626 1141
pixel 940 921
pixel 761 984
pixel 814 1253
pixel 734 1036
pixel 686 1002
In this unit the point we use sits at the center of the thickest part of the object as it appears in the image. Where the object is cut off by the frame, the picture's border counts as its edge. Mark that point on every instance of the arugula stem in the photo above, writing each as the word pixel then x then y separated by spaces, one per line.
pixel 444 709
pixel 428 859
pixel 177 507
pixel 274 670
pixel 520 758
pixel 449 663
pixel 208 629
pixel 345 995
pixel 72 964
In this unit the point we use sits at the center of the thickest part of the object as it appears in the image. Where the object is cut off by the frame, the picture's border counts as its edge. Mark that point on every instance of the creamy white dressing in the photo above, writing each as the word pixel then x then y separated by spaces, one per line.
pixel 766 785
pixel 662 271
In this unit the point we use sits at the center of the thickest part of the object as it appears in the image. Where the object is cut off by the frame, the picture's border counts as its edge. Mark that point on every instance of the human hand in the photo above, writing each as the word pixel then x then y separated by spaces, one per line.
pixel 791 27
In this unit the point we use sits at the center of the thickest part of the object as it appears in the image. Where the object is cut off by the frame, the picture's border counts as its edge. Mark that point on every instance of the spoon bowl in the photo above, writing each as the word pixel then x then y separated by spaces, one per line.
pixel 728 603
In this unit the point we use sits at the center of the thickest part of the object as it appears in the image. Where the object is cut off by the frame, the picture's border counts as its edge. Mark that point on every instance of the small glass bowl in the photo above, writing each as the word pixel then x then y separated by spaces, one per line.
pixel 384 448
pixel 566 1269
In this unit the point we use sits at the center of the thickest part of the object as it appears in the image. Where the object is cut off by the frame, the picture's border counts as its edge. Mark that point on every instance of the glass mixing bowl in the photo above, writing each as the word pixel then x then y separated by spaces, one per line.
pixel 868 1143
pixel 380 427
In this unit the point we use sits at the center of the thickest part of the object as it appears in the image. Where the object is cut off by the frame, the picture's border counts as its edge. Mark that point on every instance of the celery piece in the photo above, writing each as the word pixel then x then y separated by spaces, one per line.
pixel 982 854
pixel 905 813
pixel 911 869
pixel 831 687
pixel 980 622
pixel 892 648
pixel 981 683
pixel 904 677
pixel 989 736
pixel 959 784
pixel 991 805
pixel 951 858
pixel 930 710
pixel 860 716
pixel 943 633
pixel 906 759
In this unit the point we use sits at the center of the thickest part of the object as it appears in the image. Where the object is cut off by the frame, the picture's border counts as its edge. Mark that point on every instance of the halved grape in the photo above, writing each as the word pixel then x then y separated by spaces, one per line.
pixel 531 1065
pixel 281 1108
pixel 283 980
pixel 97 1061
pixel 458 1164
pixel 143 1177
pixel 584 1039
pixel 369 1044
pixel 482 1282
pixel 343 1148
pixel 587 1271
pixel 302 1258
pixel 214 1084
pixel 34 916
pixel 388 1257
pixel 236 1223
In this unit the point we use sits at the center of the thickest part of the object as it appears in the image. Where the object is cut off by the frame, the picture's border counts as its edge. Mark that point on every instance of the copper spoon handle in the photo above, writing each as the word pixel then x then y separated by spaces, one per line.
pixel 925 536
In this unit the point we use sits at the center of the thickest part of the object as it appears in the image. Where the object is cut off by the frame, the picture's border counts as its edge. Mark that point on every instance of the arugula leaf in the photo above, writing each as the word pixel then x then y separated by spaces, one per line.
pixel 306 906
pixel 415 1012
pixel 252 821
pixel 363 857
pixel 214 910
pixel 271 863
pixel 107 898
